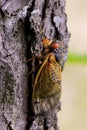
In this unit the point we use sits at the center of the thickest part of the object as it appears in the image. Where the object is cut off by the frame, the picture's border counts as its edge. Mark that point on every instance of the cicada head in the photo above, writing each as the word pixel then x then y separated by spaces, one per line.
pixel 56 44
pixel 46 42
pixel 52 44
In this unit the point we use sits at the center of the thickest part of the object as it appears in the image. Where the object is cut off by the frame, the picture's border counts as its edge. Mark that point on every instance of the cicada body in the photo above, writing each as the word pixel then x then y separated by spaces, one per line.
pixel 47 85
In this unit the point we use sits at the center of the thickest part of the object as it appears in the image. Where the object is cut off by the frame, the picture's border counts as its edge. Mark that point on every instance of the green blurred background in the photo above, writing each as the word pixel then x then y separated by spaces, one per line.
pixel 73 115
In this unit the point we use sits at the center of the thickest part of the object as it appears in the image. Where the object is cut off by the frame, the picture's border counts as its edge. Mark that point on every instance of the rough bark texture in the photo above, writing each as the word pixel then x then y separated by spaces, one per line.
pixel 21 26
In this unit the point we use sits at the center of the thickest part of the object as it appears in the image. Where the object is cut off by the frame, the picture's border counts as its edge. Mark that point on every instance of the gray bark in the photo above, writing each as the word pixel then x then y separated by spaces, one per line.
pixel 21 26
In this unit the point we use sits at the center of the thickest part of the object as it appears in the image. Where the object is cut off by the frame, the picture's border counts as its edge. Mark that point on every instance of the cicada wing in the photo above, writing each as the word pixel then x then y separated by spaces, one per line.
pixel 47 91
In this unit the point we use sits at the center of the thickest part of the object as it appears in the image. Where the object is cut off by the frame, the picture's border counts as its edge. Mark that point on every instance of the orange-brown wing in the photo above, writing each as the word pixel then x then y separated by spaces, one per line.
pixel 47 90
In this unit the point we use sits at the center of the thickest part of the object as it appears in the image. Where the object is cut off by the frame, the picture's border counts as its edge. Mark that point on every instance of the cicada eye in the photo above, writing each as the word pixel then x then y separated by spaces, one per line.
pixel 55 45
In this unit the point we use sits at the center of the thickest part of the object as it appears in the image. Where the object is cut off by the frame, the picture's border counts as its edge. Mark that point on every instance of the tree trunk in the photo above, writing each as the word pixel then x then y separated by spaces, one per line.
pixel 22 26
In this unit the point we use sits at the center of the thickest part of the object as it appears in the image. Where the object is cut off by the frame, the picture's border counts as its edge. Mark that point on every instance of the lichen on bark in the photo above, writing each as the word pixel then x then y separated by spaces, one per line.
pixel 6 92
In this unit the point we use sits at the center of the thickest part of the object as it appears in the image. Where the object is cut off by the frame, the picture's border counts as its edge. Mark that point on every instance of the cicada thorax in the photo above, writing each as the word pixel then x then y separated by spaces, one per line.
pixel 47 86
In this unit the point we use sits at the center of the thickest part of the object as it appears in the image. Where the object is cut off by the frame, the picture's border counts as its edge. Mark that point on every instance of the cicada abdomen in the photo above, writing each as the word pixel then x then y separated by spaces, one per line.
pixel 47 86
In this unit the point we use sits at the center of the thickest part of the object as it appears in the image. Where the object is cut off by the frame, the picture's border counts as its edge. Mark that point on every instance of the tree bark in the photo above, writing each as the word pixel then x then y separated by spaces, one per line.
pixel 22 26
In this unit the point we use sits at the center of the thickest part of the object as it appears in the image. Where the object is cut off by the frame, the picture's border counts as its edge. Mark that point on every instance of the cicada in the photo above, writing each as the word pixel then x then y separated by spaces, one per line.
pixel 47 84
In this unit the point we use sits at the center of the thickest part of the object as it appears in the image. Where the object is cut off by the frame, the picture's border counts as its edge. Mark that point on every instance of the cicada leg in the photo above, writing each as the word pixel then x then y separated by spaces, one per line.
pixel 32 58
pixel 33 69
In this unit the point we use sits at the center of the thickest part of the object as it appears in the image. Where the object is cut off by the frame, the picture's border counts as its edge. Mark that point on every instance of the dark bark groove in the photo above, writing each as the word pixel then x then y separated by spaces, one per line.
pixel 23 24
